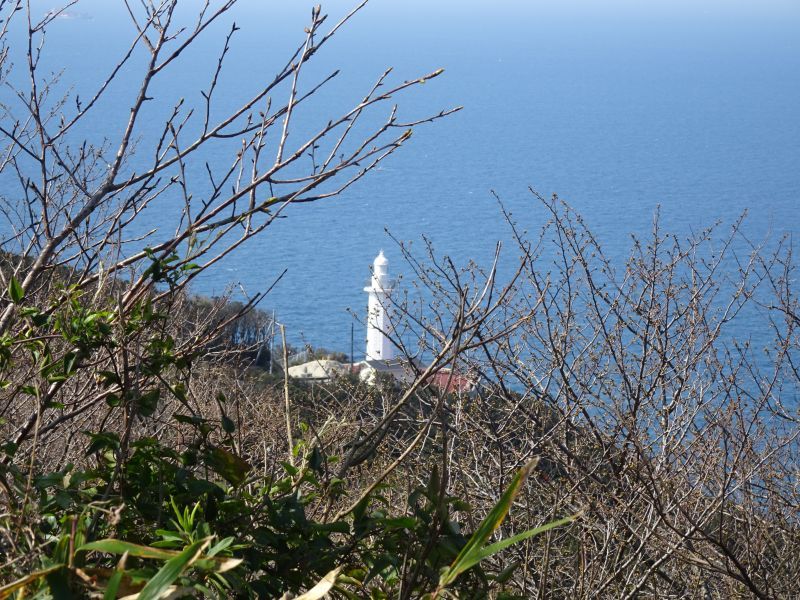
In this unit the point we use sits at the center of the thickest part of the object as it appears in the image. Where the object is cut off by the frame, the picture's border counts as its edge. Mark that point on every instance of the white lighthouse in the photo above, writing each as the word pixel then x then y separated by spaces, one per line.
pixel 378 324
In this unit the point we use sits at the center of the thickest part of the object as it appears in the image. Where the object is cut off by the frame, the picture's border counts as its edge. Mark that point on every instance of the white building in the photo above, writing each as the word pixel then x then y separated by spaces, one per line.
pixel 319 370
pixel 380 352
pixel 379 326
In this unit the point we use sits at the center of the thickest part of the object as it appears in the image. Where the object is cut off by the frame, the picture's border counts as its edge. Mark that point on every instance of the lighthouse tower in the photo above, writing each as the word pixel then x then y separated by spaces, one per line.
pixel 378 325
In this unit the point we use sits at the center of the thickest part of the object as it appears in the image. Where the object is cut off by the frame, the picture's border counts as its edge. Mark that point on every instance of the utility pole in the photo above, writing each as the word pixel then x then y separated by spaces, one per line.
pixel 272 342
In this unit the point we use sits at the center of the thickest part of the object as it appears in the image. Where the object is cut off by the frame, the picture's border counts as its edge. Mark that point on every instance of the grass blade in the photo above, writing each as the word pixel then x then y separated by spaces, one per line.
pixel 112 546
pixel 467 557
pixel 112 587
pixel 487 551
pixel 12 587
pixel 323 586
pixel 172 569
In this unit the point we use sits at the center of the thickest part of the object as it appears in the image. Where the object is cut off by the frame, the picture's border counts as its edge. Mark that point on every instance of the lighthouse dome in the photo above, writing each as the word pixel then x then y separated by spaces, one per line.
pixel 380 260
pixel 380 267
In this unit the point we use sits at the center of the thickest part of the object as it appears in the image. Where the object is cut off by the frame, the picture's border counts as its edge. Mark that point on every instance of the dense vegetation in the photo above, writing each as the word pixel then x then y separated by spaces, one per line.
pixel 624 439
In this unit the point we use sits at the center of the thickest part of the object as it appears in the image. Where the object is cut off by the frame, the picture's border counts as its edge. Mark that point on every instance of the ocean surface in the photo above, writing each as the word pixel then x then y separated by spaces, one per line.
pixel 619 109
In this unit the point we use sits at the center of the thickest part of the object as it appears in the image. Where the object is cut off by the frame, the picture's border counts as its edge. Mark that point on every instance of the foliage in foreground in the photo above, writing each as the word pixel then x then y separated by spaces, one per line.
pixel 660 391
pixel 197 522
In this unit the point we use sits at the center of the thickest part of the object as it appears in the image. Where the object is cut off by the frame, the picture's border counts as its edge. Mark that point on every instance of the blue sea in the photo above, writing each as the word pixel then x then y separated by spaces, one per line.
pixel 620 108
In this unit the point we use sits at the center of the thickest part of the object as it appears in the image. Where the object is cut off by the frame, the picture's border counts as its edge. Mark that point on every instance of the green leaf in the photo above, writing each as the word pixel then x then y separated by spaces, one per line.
pixel 112 546
pixel 102 441
pixel 233 468
pixel 70 358
pixel 400 523
pixel 360 512
pixel 113 585
pixel 218 564
pixel 179 390
pixel 504 575
pixel 335 527
pixel 475 550
pixel 189 420
pixel 10 448
pixel 498 513
pixel 220 546
pixel 487 551
pixel 316 460
pixel 172 569
pixel 147 403
pixel 290 468
pixel 227 424
pixel 15 291
pixel 108 378
pixel 59 586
